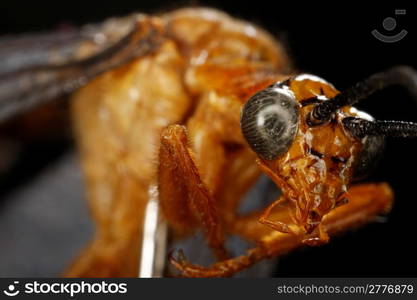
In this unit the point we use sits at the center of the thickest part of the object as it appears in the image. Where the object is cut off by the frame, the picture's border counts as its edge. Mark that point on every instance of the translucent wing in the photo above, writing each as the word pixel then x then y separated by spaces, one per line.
pixel 39 67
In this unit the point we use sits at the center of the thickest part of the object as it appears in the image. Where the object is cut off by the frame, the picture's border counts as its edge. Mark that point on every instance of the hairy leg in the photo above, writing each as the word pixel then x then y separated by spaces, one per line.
pixel 216 168
pixel 184 198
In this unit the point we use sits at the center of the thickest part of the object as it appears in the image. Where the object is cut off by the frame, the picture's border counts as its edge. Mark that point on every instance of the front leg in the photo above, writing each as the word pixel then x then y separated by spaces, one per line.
pixel 319 238
pixel 184 198
pixel 366 201
pixel 276 225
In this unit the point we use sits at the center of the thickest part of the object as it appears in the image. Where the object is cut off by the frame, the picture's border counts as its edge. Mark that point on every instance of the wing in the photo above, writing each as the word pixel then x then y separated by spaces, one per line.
pixel 39 67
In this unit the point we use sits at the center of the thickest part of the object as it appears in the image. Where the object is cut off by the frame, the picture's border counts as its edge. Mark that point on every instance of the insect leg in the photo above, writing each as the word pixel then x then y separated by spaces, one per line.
pixel 276 225
pixel 184 198
pixel 317 240
pixel 366 201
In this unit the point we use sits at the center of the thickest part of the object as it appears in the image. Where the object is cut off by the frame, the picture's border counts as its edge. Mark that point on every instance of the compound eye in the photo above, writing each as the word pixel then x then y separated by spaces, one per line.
pixel 373 147
pixel 269 122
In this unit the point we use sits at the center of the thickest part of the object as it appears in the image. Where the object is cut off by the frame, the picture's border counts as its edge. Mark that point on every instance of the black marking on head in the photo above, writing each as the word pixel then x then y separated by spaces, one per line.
pixel 316 153
pixel 308 101
pixel 338 159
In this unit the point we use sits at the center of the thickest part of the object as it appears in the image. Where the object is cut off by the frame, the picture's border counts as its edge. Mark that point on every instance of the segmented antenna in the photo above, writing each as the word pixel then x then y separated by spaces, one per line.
pixel 361 128
pixel 400 75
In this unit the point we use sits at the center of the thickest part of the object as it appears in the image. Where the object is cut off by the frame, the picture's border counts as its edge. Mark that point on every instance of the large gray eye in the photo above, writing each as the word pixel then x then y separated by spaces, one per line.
pixel 269 121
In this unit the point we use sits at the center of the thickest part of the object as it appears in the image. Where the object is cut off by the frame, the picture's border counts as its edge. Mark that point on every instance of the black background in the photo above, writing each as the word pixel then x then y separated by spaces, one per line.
pixel 334 42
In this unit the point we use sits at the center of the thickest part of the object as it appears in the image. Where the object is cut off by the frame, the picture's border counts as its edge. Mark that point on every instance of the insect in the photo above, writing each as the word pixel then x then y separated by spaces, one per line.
pixel 193 106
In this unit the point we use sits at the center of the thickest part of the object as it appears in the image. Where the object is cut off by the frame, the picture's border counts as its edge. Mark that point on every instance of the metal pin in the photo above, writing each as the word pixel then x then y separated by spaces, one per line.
pixel 153 251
